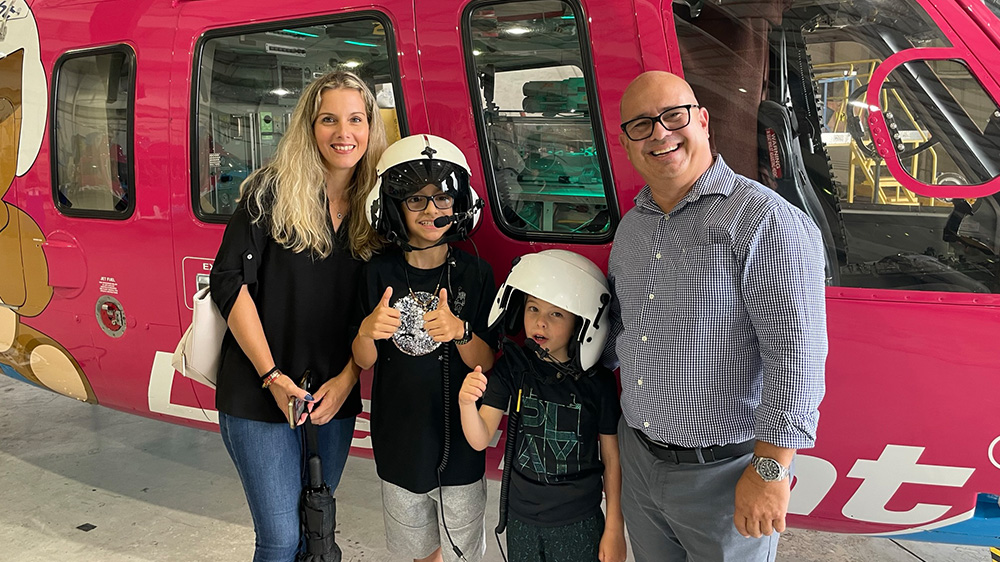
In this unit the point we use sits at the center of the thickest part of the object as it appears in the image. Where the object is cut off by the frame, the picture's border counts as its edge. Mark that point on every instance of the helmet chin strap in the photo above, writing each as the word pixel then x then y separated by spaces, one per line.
pixel 408 248
pixel 567 368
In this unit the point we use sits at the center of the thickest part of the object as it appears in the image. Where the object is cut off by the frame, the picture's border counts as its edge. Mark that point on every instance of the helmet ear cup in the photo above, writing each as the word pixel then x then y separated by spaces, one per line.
pixel 392 223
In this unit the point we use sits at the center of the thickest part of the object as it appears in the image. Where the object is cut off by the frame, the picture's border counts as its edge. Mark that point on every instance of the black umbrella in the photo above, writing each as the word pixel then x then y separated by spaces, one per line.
pixel 318 510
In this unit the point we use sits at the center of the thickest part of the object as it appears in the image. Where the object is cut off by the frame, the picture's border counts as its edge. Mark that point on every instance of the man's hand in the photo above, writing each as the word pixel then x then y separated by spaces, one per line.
pixel 473 388
pixel 760 506
pixel 441 324
pixel 383 321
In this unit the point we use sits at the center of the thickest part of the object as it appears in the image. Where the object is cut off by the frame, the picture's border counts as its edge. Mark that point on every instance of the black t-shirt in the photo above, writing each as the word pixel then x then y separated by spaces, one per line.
pixel 305 306
pixel 407 416
pixel 557 476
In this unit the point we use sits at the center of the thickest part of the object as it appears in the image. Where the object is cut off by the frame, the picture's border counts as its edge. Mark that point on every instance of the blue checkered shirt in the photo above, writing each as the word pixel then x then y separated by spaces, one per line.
pixel 718 318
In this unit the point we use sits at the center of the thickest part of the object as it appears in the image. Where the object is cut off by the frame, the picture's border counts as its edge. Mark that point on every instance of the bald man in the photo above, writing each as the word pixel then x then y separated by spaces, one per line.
pixel 719 325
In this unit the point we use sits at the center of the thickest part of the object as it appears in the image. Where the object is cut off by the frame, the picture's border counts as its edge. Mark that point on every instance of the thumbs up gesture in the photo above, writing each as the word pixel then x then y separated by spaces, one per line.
pixel 473 387
pixel 383 321
pixel 441 324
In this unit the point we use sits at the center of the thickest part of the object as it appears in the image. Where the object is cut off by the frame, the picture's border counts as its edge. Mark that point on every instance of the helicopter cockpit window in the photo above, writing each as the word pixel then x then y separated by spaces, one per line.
pixel 248 82
pixel 546 163
pixel 92 133
pixel 797 73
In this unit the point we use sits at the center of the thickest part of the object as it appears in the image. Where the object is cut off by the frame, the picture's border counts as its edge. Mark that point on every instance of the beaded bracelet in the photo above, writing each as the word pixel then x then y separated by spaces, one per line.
pixel 270 376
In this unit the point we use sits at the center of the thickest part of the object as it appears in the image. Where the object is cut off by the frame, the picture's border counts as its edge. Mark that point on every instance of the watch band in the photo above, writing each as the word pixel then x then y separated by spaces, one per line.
pixel 467 336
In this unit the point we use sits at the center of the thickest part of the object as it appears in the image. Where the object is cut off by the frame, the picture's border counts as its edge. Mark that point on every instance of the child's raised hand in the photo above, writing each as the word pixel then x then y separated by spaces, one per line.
pixel 473 387
pixel 441 324
pixel 383 321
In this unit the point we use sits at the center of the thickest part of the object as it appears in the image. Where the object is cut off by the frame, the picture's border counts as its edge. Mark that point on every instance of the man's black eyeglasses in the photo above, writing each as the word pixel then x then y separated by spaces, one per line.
pixel 417 203
pixel 672 118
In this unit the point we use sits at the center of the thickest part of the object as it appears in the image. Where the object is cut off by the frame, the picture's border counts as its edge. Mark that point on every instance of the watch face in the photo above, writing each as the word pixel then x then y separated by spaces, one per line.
pixel 769 469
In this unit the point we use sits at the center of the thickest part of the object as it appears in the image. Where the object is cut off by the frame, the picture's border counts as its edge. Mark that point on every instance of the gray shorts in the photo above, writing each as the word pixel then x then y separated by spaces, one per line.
pixel 413 526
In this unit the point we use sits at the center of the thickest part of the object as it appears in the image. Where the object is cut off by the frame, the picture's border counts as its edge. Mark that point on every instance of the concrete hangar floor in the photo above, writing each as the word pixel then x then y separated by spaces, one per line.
pixel 87 484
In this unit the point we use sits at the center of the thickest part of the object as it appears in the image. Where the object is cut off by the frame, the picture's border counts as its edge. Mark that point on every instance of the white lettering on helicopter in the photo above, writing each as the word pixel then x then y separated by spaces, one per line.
pixel 881 479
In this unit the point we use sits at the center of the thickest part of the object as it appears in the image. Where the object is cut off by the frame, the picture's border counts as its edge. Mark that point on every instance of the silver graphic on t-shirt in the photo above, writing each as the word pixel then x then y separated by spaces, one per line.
pixel 411 338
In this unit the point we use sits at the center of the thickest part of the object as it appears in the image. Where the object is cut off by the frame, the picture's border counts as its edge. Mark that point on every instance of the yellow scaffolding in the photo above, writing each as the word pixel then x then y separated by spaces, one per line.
pixel 866 178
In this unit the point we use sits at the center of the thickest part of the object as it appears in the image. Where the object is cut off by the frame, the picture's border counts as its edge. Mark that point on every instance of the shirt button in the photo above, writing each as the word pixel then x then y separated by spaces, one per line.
pixel 645 424
pixel 658 255
pixel 644 338
pixel 249 256
pixel 640 382
pixel 650 296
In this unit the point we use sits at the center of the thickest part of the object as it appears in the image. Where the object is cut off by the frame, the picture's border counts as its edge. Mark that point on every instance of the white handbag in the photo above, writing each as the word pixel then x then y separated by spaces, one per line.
pixel 199 352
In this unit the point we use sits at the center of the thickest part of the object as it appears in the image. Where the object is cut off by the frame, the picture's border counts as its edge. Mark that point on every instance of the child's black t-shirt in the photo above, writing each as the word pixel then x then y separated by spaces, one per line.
pixel 407 409
pixel 557 471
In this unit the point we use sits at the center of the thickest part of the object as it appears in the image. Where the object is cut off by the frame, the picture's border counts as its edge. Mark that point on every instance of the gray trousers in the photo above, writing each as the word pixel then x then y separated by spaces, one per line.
pixel 684 512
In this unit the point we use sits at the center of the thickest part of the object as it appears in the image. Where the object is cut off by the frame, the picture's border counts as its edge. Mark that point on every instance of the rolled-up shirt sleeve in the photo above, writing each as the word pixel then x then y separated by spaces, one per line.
pixel 783 286
pixel 237 261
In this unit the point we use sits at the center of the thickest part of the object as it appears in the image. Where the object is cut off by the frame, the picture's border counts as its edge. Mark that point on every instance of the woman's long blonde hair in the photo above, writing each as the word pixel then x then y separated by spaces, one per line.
pixel 293 186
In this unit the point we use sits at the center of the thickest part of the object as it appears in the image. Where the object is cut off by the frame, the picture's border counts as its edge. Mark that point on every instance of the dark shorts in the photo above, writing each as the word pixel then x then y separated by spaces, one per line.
pixel 576 542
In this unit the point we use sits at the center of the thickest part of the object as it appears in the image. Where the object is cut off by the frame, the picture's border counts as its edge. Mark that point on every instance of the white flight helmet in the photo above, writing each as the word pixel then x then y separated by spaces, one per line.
pixel 567 280
pixel 407 166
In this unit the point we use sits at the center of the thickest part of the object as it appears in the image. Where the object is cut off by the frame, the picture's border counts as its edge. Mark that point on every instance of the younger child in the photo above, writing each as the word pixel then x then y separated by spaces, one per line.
pixel 427 306
pixel 561 431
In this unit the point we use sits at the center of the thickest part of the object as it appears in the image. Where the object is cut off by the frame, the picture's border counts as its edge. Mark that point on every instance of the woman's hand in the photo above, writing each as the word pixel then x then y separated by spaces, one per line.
pixel 332 394
pixel 329 398
pixel 283 388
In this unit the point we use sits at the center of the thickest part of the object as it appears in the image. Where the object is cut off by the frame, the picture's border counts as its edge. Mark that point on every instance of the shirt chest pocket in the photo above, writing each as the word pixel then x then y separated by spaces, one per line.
pixel 707 282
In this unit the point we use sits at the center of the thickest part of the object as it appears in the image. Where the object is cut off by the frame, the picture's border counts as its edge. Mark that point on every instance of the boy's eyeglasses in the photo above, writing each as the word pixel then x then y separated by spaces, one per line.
pixel 672 118
pixel 417 203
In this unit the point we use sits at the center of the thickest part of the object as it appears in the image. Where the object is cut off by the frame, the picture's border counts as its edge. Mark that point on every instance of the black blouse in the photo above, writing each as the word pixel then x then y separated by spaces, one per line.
pixel 305 306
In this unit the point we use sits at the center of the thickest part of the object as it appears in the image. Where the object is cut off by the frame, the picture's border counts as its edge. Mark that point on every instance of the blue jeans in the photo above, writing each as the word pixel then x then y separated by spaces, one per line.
pixel 269 460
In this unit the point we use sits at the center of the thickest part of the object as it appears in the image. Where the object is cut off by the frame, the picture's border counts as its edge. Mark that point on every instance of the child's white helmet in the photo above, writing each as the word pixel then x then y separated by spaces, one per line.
pixel 567 280
pixel 406 167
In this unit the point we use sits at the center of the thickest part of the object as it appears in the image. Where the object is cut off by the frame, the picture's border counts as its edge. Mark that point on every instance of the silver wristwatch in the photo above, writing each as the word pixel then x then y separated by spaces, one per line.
pixel 769 469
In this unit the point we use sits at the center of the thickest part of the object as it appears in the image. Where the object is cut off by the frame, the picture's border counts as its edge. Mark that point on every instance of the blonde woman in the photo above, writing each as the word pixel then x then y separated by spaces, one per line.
pixel 289 263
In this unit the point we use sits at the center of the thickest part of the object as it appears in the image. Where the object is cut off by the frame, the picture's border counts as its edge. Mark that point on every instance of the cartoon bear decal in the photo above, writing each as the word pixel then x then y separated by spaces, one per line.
pixel 26 353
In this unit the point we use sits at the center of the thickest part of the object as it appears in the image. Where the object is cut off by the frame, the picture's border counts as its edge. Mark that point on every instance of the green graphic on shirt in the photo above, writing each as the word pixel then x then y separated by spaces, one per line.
pixel 550 437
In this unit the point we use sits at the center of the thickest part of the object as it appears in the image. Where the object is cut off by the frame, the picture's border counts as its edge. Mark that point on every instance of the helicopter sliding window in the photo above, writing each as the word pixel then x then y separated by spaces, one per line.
pixel 91 134
pixel 248 81
pixel 761 66
pixel 546 162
